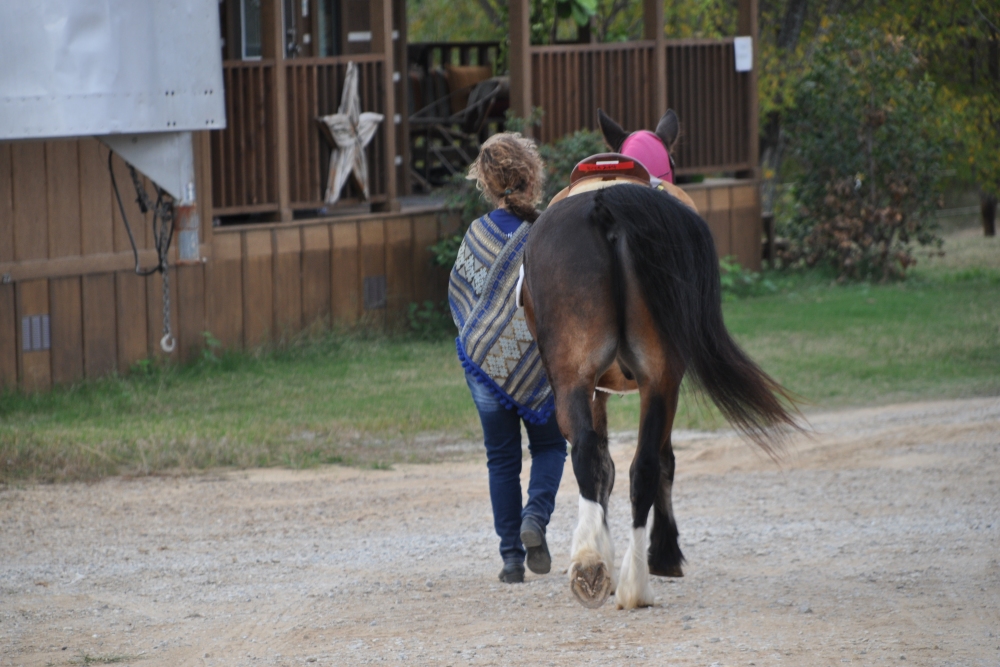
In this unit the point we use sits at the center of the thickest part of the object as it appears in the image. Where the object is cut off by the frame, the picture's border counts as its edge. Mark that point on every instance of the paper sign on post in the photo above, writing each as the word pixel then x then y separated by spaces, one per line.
pixel 743 47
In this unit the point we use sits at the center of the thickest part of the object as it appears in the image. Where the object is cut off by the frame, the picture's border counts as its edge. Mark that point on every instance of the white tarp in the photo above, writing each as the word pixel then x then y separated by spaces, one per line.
pixel 98 67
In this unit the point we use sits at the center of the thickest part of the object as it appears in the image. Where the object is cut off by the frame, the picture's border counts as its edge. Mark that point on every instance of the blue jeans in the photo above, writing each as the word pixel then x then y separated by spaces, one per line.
pixel 502 437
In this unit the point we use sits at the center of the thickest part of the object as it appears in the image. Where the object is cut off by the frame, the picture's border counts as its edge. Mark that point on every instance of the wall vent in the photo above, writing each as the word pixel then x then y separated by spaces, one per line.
pixel 35 333
pixel 374 292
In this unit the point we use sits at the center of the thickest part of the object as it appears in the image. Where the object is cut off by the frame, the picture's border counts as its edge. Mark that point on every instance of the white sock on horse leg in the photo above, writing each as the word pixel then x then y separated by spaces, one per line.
pixel 592 540
pixel 634 589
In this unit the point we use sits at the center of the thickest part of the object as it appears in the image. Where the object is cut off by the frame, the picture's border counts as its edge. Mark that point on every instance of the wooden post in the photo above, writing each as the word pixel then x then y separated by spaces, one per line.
pixel 273 46
pixel 403 97
pixel 519 57
pixel 747 25
pixel 381 24
pixel 652 28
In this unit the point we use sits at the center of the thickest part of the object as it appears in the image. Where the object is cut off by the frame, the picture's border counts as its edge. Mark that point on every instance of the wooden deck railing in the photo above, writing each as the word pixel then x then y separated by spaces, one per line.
pixel 314 89
pixel 712 100
pixel 570 82
pixel 244 178
pixel 244 155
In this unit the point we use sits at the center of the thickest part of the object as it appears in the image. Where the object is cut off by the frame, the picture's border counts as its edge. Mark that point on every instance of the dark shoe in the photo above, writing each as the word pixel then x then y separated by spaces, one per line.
pixel 533 538
pixel 512 573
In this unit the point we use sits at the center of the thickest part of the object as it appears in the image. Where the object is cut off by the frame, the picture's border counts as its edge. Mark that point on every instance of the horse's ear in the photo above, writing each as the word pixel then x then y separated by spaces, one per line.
pixel 613 133
pixel 668 129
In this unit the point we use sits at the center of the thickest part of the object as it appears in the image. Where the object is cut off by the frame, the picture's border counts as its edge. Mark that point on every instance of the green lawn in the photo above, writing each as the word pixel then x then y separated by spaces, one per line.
pixel 375 401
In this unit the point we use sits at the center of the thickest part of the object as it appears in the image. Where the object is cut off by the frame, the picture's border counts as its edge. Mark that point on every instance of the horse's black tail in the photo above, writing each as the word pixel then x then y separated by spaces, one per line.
pixel 673 256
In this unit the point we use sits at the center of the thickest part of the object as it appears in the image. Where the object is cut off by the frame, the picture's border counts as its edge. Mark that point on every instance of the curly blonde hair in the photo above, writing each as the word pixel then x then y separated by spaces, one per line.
pixel 510 174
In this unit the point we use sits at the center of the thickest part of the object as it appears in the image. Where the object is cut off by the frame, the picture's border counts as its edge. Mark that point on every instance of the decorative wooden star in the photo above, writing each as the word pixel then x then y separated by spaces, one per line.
pixel 351 130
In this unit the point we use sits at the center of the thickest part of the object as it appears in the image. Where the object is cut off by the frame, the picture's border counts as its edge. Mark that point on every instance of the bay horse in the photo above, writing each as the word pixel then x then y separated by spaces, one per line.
pixel 621 291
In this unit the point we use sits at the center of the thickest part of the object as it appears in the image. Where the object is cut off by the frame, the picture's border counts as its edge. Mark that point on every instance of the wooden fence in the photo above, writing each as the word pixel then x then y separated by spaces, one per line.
pixel 712 100
pixel 569 82
pixel 244 160
pixel 245 154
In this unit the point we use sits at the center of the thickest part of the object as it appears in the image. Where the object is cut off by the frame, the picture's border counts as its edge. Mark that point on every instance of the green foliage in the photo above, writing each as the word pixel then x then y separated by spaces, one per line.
pixel 865 134
pixel 430 321
pixel 455 21
pixel 445 251
pixel 563 154
pixel 959 43
pixel 739 283
pixel 514 123
pixel 578 10
pixel 212 346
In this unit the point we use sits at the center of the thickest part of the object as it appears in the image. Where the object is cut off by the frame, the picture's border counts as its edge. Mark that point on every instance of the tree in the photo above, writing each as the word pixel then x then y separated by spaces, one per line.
pixel 960 42
pixel 867 138
pixel 959 46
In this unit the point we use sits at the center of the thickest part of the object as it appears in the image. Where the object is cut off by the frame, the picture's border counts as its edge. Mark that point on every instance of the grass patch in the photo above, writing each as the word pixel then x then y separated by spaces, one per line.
pixel 339 399
pixel 373 402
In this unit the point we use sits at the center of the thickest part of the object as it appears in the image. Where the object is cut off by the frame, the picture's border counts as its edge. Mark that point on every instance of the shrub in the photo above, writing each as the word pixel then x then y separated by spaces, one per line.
pixel 430 321
pixel 864 134
pixel 563 154
pixel 738 283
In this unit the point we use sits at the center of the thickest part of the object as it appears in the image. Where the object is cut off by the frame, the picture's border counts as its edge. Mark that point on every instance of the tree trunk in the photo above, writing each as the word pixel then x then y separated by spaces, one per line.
pixel 988 207
pixel 771 140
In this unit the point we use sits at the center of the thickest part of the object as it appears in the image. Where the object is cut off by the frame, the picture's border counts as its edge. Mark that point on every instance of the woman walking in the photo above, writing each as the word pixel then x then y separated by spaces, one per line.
pixel 502 366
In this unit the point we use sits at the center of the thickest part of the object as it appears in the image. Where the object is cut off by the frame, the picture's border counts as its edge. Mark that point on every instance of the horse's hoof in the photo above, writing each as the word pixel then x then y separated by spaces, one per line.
pixel 591 584
pixel 669 571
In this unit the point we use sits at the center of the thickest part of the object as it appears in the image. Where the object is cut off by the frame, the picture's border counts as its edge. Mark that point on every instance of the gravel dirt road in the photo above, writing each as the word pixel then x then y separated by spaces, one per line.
pixel 876 542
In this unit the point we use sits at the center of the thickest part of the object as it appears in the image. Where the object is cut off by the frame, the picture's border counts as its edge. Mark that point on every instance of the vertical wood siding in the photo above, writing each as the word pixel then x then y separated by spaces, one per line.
pixel 570 82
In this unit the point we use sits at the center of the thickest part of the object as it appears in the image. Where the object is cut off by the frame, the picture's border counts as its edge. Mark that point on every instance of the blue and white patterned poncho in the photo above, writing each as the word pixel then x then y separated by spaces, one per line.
pixel 494 344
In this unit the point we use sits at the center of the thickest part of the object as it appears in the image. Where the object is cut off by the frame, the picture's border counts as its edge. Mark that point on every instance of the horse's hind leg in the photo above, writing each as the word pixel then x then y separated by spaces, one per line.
pixel 591 571
pixel 647 356
pixel 578 360
pixel 634 589
pixel 665 555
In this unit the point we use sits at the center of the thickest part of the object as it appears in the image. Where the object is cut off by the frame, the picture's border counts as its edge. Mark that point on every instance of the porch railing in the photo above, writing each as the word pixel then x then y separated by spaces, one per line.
pixel 570 82
pixel 244 176
pixel 712 100
pixel 314 89
pixel 244 155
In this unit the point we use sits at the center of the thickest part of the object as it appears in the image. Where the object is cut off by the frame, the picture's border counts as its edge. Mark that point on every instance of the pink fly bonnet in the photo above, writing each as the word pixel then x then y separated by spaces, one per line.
pixel 648 149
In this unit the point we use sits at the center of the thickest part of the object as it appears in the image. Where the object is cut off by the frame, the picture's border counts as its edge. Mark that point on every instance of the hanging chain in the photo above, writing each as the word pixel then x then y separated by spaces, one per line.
pixel 163 231
pixel 168 342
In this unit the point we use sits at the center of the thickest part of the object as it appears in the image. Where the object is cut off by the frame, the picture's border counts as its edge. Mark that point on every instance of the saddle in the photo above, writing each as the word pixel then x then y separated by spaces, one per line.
pixel 605 170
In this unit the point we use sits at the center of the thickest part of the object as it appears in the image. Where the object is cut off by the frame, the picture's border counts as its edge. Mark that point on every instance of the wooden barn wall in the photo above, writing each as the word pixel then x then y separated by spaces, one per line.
pixel 64 252
pixel 732 210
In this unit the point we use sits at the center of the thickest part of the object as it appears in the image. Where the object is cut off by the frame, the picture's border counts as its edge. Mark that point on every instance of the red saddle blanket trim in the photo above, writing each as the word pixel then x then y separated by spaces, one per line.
pixel 608 165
